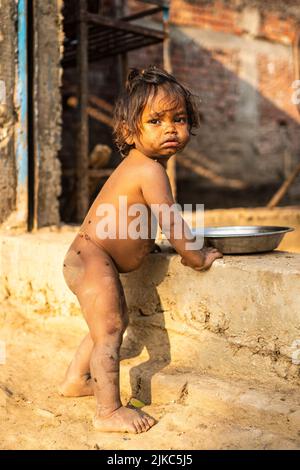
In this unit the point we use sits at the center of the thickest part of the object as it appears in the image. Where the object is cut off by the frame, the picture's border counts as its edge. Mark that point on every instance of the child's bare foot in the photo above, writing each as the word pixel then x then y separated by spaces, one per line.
pixel 125 419
pixel 79 387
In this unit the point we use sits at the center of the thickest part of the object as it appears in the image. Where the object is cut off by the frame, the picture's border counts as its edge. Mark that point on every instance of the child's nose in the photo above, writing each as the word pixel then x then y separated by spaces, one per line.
pixel 171 128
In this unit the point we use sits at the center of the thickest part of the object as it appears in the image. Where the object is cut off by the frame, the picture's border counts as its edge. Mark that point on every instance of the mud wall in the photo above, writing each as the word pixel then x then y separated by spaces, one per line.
pixel 196 321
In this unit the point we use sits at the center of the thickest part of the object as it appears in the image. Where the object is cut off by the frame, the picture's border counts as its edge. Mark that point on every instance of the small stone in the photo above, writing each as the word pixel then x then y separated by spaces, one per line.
pixel 44 413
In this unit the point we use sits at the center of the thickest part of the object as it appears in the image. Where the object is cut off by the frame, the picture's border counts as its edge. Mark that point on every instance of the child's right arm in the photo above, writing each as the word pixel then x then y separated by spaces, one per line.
pixel 156 189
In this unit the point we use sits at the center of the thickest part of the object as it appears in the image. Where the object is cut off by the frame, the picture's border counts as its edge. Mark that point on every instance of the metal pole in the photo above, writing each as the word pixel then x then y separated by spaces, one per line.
pixel 33 169
pixel 22 128
pixel 171 165
pixel 82 161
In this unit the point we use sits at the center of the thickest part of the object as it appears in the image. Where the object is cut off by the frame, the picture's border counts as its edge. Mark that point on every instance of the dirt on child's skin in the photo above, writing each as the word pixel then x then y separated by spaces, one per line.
pixel 34 416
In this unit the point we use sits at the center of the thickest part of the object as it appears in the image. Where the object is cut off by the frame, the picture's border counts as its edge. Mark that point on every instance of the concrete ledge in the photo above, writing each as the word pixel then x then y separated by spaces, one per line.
pixel 240 318
pixel 219 397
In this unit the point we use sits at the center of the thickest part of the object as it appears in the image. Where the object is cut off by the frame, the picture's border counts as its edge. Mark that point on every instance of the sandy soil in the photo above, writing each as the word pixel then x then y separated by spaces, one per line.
pixel 34 416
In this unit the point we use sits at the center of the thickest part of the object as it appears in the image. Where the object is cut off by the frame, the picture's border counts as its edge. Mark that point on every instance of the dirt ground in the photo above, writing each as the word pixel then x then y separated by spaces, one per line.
pixel 34 416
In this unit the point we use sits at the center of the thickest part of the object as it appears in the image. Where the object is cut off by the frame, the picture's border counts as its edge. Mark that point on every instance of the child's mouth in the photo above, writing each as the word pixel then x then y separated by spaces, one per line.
pixel 171 143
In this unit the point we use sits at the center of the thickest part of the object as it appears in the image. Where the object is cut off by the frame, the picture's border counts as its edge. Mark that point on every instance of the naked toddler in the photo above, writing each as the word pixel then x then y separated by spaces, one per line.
pixel 153 121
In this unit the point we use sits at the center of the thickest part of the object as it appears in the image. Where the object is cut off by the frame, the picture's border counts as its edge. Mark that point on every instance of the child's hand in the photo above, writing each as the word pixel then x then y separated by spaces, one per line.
pixel 210 254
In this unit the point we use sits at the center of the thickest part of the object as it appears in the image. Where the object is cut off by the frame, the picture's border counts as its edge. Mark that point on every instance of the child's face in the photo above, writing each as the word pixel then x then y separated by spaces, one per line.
pixel 164 127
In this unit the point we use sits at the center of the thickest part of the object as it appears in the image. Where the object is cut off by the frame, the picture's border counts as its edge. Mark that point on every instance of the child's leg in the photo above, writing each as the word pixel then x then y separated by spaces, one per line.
pixel 102 299
pixel 77 382
pixel 103 304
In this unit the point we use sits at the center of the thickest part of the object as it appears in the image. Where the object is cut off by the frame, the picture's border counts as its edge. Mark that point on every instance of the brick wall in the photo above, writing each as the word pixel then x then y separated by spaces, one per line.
pixel 238 57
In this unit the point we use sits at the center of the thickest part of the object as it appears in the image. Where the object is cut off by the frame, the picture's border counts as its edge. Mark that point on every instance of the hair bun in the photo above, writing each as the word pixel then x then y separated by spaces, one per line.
pixel 133 73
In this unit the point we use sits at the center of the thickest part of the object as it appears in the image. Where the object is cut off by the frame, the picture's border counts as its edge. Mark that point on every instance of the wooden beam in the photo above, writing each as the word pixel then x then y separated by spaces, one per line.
pixel 211 175
pixel 95 113
pixel 82 160
pixel 101 103
pixel 123 25
pixel 92 172
pixel 162 3
pixel 141 14
pixel 284 187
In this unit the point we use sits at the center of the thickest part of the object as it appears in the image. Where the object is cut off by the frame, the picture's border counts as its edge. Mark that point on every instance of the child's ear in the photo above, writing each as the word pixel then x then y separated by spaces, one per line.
pixel 127 134
pixel 129 139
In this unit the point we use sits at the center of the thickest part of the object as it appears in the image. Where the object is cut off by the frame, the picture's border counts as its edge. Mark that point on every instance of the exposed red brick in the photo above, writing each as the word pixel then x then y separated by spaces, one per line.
pixel 215 76
pixel 215 16
pixel 277 29
pixel 276 87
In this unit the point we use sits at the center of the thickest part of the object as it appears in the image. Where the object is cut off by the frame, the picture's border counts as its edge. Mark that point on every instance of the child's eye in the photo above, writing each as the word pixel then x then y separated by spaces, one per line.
pixel 154 121
pixel 180 119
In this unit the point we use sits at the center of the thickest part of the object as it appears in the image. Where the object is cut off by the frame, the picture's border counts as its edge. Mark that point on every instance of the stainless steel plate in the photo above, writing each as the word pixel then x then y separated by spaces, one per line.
pixel 244 239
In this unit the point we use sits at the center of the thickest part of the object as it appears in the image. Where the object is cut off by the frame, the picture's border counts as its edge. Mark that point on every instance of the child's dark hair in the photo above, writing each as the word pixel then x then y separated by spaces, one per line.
pixel 139 86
